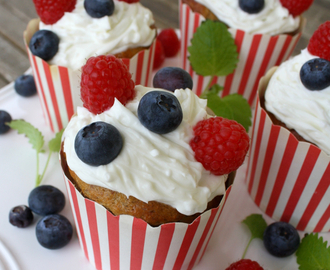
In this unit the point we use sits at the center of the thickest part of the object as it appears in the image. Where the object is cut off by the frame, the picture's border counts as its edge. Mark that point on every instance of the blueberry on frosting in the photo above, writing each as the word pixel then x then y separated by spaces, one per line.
pixel 99 8
pixel 315 74
pixel 251 6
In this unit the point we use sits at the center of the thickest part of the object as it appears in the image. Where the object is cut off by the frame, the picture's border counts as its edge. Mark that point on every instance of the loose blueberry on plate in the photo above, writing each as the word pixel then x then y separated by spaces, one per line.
pixel 54 231
pixel 251 6
pixel 99 8
pixel 172 78
pixel 97 144
pixel 44 43
pixel 45 200
pixel 160 112
pixel 25 85
pixel 4 118
pixel 20 216
pixel 281 239
pixel 315 74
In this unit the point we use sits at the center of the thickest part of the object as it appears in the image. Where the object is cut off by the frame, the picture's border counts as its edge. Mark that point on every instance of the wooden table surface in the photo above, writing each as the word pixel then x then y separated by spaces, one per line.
pixel 15 14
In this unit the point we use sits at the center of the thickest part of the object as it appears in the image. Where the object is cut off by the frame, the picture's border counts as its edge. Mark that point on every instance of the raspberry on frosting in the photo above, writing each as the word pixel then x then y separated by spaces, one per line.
pixel 220 144
pixel 103 79
pixel 296 7
pixel 319 43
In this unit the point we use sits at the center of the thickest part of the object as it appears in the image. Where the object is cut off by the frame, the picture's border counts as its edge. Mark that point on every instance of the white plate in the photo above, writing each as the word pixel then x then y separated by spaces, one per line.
pixel 19 247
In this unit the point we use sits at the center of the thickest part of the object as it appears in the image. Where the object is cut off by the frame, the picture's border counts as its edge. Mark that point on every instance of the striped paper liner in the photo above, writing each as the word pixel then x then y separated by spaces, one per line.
pixel 59 87
pixel 289 180
pixel 257 53
pixel 124 242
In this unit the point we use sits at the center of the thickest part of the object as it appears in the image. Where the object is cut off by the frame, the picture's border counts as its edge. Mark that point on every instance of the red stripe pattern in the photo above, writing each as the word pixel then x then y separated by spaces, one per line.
pixel 124 242
pixel 260 53
pixel 58 87
pixel 289 180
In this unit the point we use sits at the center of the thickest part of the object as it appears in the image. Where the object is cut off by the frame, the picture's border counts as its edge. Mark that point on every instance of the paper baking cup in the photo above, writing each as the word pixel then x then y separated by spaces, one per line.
pixel 124 242
pixel 59 87
pixel 289 180
pixel 257 53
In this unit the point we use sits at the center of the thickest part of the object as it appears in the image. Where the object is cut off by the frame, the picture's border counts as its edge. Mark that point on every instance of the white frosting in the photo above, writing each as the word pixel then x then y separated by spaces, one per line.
pixel 82 36
pixel 273 19
pixel 150 167
pixel 308 112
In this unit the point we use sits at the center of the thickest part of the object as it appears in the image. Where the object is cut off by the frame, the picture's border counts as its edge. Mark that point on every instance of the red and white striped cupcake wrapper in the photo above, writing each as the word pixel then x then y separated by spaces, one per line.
pixel 124 242
pixel 289 180
pixel 59 87
pixel 257 53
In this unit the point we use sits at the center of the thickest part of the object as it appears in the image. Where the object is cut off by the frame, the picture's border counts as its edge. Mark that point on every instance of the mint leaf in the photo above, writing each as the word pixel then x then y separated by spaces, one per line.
pixel 213 50
pixel 232 106
pixel 313 253
pixel 33 134
pixel 55 144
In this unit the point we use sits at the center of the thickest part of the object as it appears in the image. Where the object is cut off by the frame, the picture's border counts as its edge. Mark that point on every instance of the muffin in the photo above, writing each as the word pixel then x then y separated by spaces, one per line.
pixel 263 39
pixel 158 189
pixel 128 33
pixel 288 172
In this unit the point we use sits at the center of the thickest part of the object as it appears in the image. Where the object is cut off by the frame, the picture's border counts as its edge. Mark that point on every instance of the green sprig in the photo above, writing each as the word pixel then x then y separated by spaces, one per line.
pixel 36 139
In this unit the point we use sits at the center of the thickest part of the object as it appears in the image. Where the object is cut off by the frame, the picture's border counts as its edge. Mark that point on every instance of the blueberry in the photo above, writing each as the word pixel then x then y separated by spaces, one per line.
pixel 99 8
pixel 25 86
pixel 4 118
pixel 20 216
pixel 45 200
pixel 281 239
pixel 54 231
pixel 172 78
pixel 160 111
pixel 97 144
pixel 315 74
pixel 251 6
pixel 44 43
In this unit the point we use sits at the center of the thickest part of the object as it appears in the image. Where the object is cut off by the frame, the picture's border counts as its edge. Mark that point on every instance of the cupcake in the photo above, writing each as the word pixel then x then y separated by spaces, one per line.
pixel 288 174
pixel 157 183
pixel 127 30
pixel 265 35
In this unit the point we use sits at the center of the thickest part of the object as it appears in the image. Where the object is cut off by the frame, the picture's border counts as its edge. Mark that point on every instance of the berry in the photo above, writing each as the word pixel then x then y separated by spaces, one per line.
pixel 159 57
pixel 99 143
pixel 244 264
pixel 170 42
pixel 25 86
pixel 103 79
pixel 172 78
pixel 45 200
pixel 281 239
pixel 296 7
pixel 44 43
pixel 54 231
pixel 4 118
pixel 129 1
pixel 99 8
pixel 319 43
pixel 220 144
pixel 20 216
pixel 160 112
pixel 315 74
pixel 252 6
pixel 51 11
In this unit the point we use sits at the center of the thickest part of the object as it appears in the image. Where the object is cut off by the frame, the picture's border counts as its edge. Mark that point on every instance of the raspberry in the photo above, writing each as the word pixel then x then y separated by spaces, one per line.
pixel 51 11
pixel 220 144
pixel 129 1
pixel 170 42
pixel 319 43
pixel 244 264
pixel 159 55
pixel 296 7
pixel 103 79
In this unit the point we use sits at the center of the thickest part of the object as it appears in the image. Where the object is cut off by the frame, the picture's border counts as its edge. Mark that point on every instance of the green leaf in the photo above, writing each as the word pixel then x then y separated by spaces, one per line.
pixel 256 225
pixel 232 106
pixel 213 51
pixel 36 139
pixel 55 144
pixel 313 253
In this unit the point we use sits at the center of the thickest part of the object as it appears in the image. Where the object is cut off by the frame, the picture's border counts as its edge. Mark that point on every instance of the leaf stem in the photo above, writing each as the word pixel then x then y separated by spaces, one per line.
pixel 37 173
pixel 45 168
pixel 245 250
pixel 207 88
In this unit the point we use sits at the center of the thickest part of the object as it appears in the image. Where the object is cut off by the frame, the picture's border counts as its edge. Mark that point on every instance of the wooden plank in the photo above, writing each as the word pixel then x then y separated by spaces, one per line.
pixel 23 9
pixel 3 82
